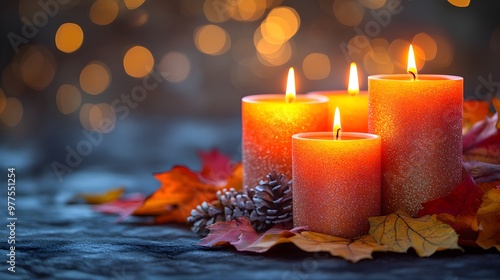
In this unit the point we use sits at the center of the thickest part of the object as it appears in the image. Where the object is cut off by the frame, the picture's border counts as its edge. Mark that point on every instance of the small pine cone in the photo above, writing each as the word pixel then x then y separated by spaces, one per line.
pixel 235 204
pixel 204 215
pixel 273 202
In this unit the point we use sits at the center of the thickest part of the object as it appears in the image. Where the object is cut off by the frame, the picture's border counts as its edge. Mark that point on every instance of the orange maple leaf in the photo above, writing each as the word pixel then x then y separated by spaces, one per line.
pixel 181 191
pixel 488 217
pixel 473 112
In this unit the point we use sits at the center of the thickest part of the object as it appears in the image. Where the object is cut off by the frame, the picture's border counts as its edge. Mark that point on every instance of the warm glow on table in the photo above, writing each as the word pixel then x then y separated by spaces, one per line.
pixel 352 102
pixel 420 123
pixel 336 185
pixel 268 123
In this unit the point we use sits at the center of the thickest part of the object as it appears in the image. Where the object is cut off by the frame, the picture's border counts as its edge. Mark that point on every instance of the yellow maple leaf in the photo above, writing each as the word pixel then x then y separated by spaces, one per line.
pixel 352 250
pixel 398 232
pixel 488 217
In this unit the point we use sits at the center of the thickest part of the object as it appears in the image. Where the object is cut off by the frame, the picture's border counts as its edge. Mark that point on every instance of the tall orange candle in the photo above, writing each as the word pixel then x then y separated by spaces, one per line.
pixel 268 123
pixel 336 181
pixel 419 118
pixel 353 104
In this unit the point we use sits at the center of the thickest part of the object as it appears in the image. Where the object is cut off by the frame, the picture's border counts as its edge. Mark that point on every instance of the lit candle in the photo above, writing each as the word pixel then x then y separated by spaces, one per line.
pixel 353 104
pixel 419 119
pixel 336 181
pixel 268 123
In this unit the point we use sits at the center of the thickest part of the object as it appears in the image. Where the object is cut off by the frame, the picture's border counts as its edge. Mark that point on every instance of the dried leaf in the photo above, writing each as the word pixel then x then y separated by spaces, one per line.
pixel 474 111
pixel 123 207
pixel 351 250
pixel 108 196
pixel 458 209
pixel 216 167
pixel 488 217
pixel 241 234
pixel 398 232
pixel 482 142
pixel 243 237
pixel 486 175
pixel 180 191
pixel 496 104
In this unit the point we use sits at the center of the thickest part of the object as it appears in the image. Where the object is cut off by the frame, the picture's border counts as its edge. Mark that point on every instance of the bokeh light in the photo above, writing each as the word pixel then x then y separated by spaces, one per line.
pixel 398 50
pixel 69 37
pixel 373 4
pixel 133 4
pixel 460 3
pixel 248 10
pixel 316 66
pixel 3 101
pixel 445 52
pixel 102 118
pixel 280 25
pixel 174 67
pixel 68 99
pixel 37 67
pixel 95 78
pixel 103 12
pixel 13 112
pixel 85 115
pixel 11 79
pixel 280 57
pixel 358 47
pixel 217 10
pixel 348 12
pixel 212 39
pixel 138 62
pixel 427 44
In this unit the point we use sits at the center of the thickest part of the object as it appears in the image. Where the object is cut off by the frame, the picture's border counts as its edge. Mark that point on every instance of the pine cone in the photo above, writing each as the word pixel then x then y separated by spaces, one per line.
pixel 204 215
pixel 273 202
pixel 235 204
pixel 229 205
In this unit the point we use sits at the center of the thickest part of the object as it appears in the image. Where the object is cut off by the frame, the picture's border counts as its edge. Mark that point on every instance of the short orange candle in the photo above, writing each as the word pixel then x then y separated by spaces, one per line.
pixel 353 104
pixel 336 183
pixel 419 118
pixel 268 123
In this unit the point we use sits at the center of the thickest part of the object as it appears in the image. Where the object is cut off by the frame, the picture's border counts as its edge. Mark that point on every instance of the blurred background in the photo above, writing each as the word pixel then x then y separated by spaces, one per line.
pixel 155 80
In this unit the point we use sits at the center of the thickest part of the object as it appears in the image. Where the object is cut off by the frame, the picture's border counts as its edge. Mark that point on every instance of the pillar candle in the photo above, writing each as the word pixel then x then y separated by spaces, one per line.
pixel 336 183
pixel 419 119
pixel 268 123
pixel 353 104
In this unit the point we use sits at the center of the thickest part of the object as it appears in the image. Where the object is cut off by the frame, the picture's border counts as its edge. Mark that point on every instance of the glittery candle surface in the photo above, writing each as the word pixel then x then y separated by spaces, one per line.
pixel 268 123
pixel 336 183
pixel 353 109
pixel 420 124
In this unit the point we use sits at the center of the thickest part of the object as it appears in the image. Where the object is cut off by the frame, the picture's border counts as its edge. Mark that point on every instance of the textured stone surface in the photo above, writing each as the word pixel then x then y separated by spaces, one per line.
pixel 59 241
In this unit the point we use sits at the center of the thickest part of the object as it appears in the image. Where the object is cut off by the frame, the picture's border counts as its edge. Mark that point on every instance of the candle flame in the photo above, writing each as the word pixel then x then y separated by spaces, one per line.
pixel 412 66
pixel 353 87
pixel 290 86
pixel 337 128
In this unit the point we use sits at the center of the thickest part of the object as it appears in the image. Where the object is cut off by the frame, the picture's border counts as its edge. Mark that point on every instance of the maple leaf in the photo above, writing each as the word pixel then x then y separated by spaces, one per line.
pixel 353 250
pixel 107 196
pixel 482 142
pixel 488 217
pixel 241 234
pixel 458 209
pixel 496 104
pixel 486 175
pixel 216 167
pixel 474 111
pixel 398 232
pixel 181 190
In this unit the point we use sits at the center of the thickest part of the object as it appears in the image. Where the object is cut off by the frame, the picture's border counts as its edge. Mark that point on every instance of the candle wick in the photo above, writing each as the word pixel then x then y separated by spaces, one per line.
pixel 413 74
pixel 337 137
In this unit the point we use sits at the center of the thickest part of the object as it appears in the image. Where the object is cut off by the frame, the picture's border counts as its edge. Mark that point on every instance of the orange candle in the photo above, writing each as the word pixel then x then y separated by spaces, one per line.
pixel 268 123
pixel 336 181
pixel 353 104
pixel 419 118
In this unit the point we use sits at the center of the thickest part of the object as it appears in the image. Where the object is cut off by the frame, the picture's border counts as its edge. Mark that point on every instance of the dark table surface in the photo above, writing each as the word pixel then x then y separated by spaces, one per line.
pixel 55 240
